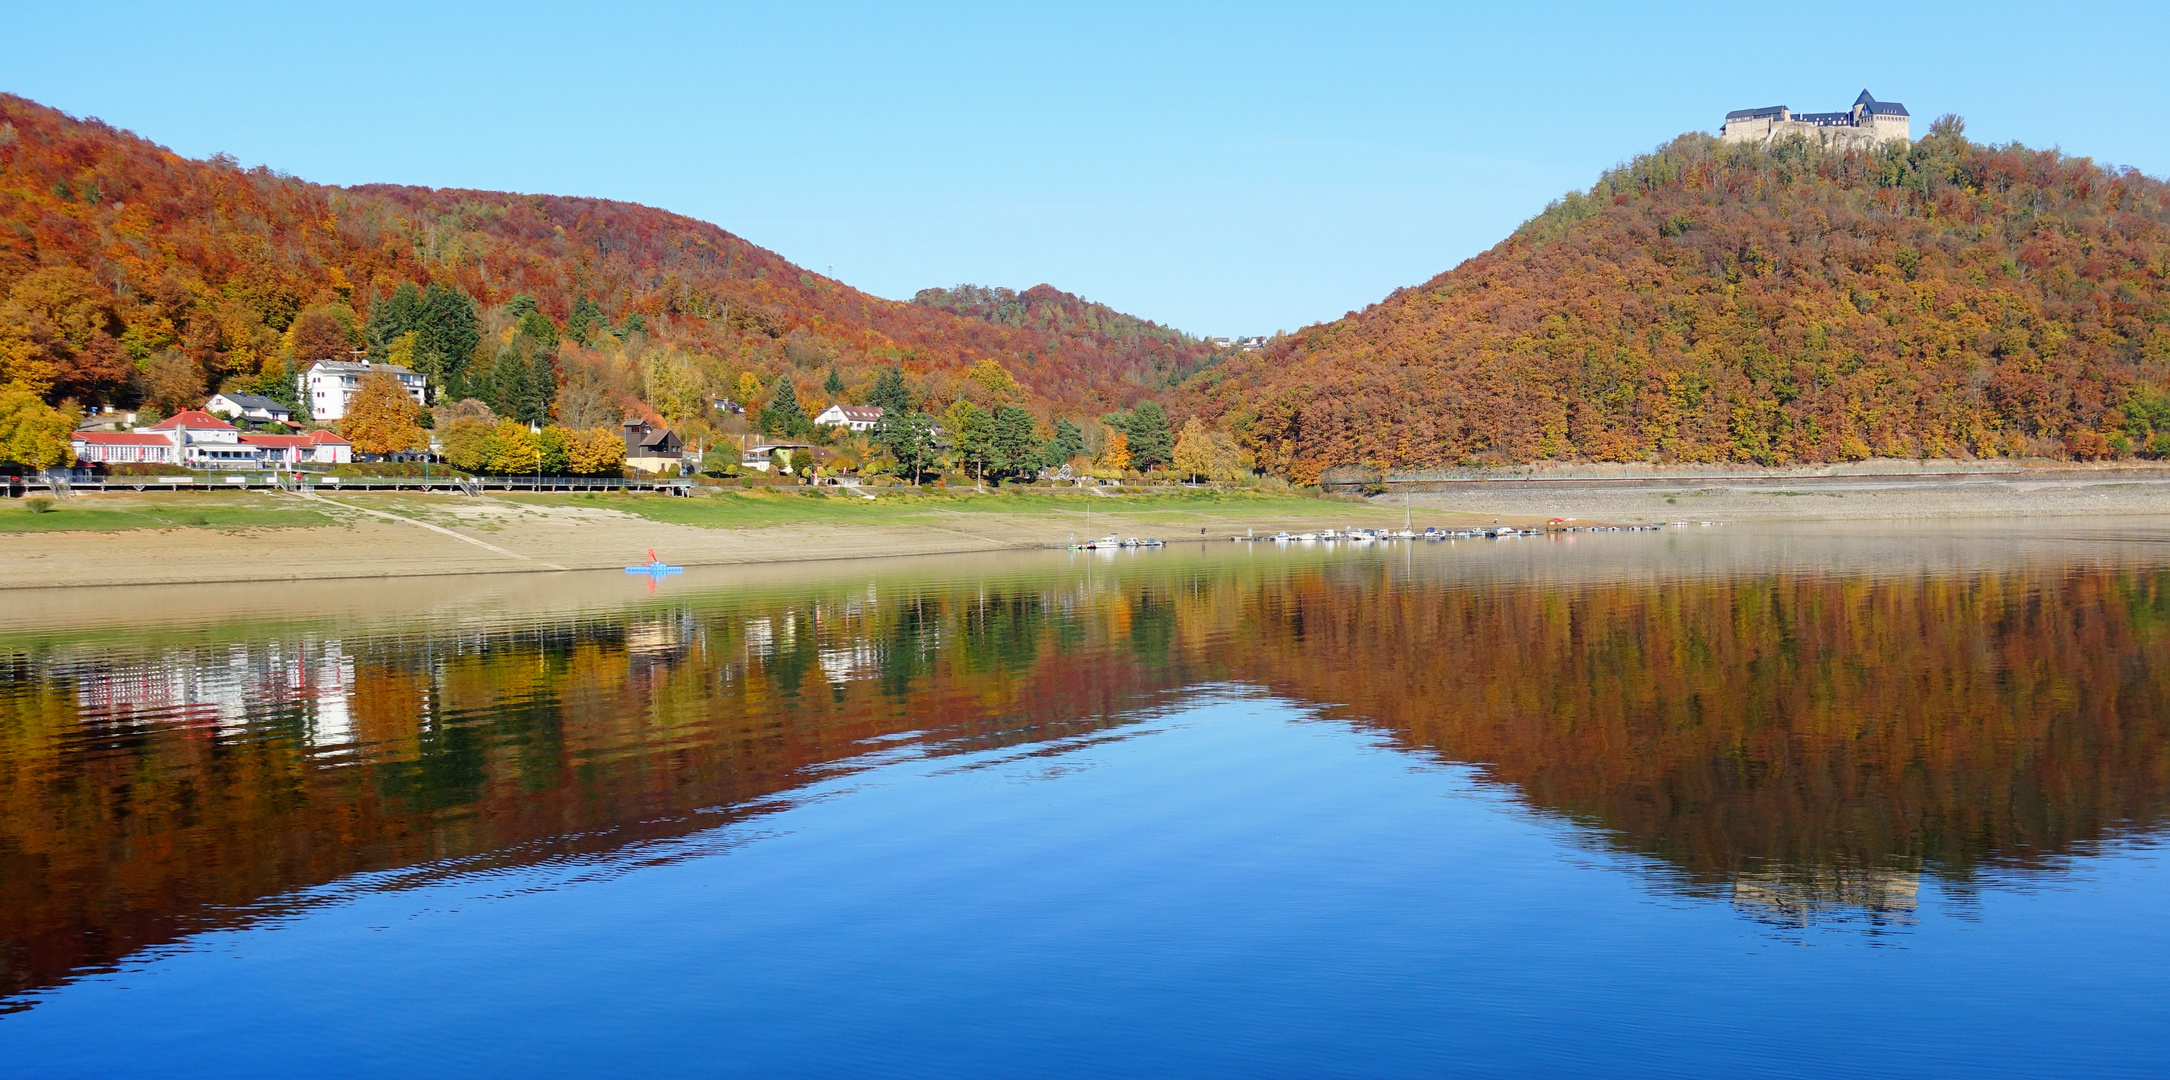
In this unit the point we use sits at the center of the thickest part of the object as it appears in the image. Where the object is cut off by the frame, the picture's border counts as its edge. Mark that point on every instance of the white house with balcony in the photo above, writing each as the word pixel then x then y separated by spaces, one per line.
pixel 329 385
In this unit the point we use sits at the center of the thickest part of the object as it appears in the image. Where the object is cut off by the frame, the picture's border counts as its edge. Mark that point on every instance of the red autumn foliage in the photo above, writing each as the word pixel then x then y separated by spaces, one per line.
pixel 1738 303
pixel 113 249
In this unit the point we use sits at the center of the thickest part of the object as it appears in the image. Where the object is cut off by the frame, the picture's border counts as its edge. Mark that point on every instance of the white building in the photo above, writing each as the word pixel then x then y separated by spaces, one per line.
pixel 855 417
pixel 329 385
pixel 206 442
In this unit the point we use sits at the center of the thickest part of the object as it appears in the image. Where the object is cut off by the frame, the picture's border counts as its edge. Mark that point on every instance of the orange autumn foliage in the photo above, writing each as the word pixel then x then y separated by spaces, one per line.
pixel 113 249
pixel 1768 305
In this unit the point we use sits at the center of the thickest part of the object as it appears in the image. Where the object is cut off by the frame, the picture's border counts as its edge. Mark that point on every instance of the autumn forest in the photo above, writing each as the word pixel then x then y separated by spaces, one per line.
pixel 1702 303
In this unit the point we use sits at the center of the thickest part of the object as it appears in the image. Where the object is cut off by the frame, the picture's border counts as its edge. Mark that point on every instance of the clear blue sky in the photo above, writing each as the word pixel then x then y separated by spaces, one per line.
pixel 1224 169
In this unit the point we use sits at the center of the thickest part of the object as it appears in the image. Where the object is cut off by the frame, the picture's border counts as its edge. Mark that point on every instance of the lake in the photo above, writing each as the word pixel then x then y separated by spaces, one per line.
pixel 1739 800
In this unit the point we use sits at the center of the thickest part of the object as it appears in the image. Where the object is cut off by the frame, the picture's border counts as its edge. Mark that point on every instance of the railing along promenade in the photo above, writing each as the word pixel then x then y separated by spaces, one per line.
pixel 66 482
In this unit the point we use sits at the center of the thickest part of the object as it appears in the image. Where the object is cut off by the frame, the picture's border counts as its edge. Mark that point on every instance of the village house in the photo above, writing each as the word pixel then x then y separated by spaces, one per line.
pixel 762 456
pixel 855 417
pixel 650 448
pixel 329 385
pixel 251 407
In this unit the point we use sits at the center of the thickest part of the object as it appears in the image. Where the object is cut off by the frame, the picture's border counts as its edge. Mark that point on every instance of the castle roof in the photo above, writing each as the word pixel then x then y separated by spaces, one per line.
pixel 1880 108
pixel 1868 105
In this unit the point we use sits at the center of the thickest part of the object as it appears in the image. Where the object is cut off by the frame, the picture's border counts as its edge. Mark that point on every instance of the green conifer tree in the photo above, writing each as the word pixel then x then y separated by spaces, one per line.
pixel 1068 444
pixel 784 415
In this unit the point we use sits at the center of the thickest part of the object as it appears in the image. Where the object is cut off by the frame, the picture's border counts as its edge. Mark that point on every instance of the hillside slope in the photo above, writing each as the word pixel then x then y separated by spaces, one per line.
pixel 114 250
pixel 1146 352
pixel 1774 305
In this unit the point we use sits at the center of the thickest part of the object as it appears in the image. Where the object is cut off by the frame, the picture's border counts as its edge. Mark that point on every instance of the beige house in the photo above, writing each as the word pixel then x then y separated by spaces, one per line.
pixel 650 448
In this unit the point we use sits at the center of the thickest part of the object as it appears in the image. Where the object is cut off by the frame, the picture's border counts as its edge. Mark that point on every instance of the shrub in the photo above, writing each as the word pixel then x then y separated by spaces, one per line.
pixel 39 506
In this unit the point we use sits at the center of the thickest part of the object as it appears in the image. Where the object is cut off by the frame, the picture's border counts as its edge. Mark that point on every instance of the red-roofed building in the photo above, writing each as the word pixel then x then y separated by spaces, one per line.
pixel 316 447
pixel 191 418
pixel 129 447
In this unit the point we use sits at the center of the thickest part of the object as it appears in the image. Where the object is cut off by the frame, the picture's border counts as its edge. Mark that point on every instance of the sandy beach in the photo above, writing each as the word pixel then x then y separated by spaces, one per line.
pixel 266 538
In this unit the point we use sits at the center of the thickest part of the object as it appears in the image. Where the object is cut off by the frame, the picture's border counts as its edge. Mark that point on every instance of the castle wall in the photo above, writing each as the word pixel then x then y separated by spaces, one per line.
pixel 1879 130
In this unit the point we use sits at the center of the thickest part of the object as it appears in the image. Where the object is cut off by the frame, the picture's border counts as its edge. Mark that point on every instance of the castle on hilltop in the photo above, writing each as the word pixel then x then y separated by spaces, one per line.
pixel 1869 123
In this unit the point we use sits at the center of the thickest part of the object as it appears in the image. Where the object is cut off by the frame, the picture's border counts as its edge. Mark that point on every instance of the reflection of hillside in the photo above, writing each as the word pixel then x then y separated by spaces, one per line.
pixel 1763 735
pixel 145 796
pixel 1791 720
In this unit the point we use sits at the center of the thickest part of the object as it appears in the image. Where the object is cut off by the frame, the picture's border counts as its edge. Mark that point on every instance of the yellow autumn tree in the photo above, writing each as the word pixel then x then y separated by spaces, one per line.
pixel 596 451
pixel 1115 453
pixel 510 449
pixel 33 433
pixel 383 418
pixel 995 378
pixel 1194 451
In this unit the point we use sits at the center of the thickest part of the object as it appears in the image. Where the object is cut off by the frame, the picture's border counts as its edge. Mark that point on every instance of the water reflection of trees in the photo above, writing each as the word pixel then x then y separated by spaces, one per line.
pixel 1736 729
pixel 1796 743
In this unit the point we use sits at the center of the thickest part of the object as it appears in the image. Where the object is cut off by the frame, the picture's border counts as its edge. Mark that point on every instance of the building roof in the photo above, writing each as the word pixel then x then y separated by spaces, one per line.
pixel 122 438
pixel 866 413
pixel 641 435
pixel 1868 103
pixel 254 401
pixel 356 367
pixel 1880 108
pixel 195 418
pixel 314 438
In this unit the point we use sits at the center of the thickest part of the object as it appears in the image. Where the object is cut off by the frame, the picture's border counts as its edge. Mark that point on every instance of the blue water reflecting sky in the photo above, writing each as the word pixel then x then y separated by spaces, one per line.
pixel 1231 887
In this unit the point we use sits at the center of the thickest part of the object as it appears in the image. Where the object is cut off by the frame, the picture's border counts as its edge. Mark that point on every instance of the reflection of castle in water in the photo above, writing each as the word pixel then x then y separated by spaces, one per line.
pixel 1802 896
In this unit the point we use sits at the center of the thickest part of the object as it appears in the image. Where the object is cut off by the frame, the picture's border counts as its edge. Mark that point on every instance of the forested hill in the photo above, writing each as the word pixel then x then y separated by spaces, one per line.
pixel 1740 303
pixel 1148 353
pixel 122 262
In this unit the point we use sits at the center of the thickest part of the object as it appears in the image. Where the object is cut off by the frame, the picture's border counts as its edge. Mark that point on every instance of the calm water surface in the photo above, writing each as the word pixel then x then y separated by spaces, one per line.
pixel 1868 801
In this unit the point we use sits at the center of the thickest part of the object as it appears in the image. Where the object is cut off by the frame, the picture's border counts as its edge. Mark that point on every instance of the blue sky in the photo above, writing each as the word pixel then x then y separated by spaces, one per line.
pixel 1222 168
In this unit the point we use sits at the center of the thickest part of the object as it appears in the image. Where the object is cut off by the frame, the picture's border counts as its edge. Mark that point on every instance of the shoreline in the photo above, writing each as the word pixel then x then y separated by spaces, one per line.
pixel 266 540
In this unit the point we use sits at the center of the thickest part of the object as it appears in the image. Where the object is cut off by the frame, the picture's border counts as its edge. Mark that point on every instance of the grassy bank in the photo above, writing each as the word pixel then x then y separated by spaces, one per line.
pixel 224 510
